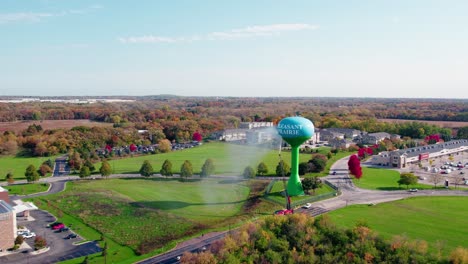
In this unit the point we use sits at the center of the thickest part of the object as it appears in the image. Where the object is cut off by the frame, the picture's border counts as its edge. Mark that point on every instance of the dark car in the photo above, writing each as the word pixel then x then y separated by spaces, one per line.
pixel 71 236
pixel 63 229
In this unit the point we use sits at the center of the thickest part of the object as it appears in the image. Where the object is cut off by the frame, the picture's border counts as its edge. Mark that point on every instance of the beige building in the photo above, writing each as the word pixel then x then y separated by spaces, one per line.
pixel 401 158
pixel 7 226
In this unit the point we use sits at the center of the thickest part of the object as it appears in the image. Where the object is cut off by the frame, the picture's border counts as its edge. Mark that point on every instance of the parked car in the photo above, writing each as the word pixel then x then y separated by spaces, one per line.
pixel 307 205
pixel 63 229
pixel 71 236
pixel 28 234
pixel 57 226
pixel 413 190
pixel 284 212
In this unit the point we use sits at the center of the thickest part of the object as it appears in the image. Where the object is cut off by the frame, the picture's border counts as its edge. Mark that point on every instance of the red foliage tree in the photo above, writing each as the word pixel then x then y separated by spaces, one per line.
pixel 108 148
pixel 133 148
pixel 432 139
pixel 354 166
pixel 364 152
pixel 197 137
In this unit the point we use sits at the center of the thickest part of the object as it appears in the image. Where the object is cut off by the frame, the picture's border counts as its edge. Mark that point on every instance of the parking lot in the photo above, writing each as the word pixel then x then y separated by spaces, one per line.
pixel 445 167
pixel 60 248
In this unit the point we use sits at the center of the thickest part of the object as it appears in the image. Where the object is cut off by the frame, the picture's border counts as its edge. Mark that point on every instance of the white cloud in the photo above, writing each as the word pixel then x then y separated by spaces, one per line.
pixel 247 32
pixel 36 17
pixel 23 16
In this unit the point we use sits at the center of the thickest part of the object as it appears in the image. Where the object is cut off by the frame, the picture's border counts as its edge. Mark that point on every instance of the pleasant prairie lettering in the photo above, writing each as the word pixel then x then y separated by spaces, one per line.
pixel 289 129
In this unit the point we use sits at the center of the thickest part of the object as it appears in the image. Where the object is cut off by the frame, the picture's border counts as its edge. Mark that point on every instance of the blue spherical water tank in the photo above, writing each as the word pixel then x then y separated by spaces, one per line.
pixel 295 130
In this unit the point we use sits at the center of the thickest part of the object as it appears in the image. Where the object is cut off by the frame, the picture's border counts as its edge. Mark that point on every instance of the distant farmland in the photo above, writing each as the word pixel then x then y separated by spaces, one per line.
pixel 50 124
pixel 446 124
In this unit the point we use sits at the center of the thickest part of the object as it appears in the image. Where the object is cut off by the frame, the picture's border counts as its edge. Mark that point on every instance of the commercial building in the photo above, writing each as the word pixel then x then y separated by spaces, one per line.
pixel 401 158
pixel 7 226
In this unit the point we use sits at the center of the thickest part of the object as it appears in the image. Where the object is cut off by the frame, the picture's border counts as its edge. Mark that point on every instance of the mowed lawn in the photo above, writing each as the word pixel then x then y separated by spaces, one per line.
pixel 383 179
pixel 18 165
pixel 228 159
pixel 205 201
pixel 149 213
pixel 432 219
pixel 26 189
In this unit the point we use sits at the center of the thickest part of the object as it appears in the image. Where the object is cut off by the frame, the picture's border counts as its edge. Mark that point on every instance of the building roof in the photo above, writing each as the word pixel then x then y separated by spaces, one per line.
pixel 5 207
pixel 411 152
pixel 23 206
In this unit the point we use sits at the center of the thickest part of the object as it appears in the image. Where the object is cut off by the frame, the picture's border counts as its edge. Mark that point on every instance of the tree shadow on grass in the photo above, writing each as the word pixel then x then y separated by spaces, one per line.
pixel 391 188
pixel 168 179
pixel 170 205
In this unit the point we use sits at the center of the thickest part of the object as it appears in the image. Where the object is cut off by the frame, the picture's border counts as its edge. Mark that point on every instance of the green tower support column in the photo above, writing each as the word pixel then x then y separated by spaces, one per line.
pixel 294 183
pixel 295 130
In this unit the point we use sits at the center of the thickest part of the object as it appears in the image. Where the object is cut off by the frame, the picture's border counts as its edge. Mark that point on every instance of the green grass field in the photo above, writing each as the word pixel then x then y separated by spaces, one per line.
pixel 277 189
pixel 26 189
pixel 384 179
pixel 432 219
pixel 152 212
pixel 228 159
pixel 18 165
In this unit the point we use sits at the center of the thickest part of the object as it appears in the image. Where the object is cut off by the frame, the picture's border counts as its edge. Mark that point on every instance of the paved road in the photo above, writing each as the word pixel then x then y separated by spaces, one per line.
pixel 61 167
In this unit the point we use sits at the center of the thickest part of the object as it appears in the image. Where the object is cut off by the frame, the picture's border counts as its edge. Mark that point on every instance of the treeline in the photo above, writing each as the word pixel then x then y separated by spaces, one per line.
pixel 178 118
pixel 233 110
pixel 300 239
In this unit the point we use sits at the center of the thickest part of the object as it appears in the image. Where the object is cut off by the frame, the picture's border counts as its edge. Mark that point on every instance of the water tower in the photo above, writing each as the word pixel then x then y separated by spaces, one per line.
pixel 295 130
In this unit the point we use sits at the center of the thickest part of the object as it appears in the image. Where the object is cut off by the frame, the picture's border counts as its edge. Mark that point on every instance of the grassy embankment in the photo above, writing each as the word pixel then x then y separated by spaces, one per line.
pixel 384 180
pixel 440 221
pixel 18 165
pixel 144 214
pixel 26 189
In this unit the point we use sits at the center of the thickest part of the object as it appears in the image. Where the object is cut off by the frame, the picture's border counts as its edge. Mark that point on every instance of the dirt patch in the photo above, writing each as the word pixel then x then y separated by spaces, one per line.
pixel 19 126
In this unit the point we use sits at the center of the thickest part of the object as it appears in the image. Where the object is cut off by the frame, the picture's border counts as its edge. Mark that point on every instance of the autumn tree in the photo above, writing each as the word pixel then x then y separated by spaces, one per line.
pixel 462 133
pixel 44 169
pixel 459 256
pixel 9 178
pixel 146 169
pixel 31 174
pixel 311 183
pixel 249 172
pixel 197 137
pixel 166 168
pixel 90 165
pixel 317 163
pixel 40 149
pixel 186 170
pixel 354 166
pixel 283 169
pixel 84 172
pixel 75 161
pixel 435 178
pixel 19 240
pixel 262 169
pixel 208 168
pixel 133 148
pixel 105 169
pixel 407 179
pixel 39 243
pixel 164 145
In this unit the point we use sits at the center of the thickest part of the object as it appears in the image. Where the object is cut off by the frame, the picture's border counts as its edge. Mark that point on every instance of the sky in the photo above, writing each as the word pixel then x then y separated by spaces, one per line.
pixel 242 48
